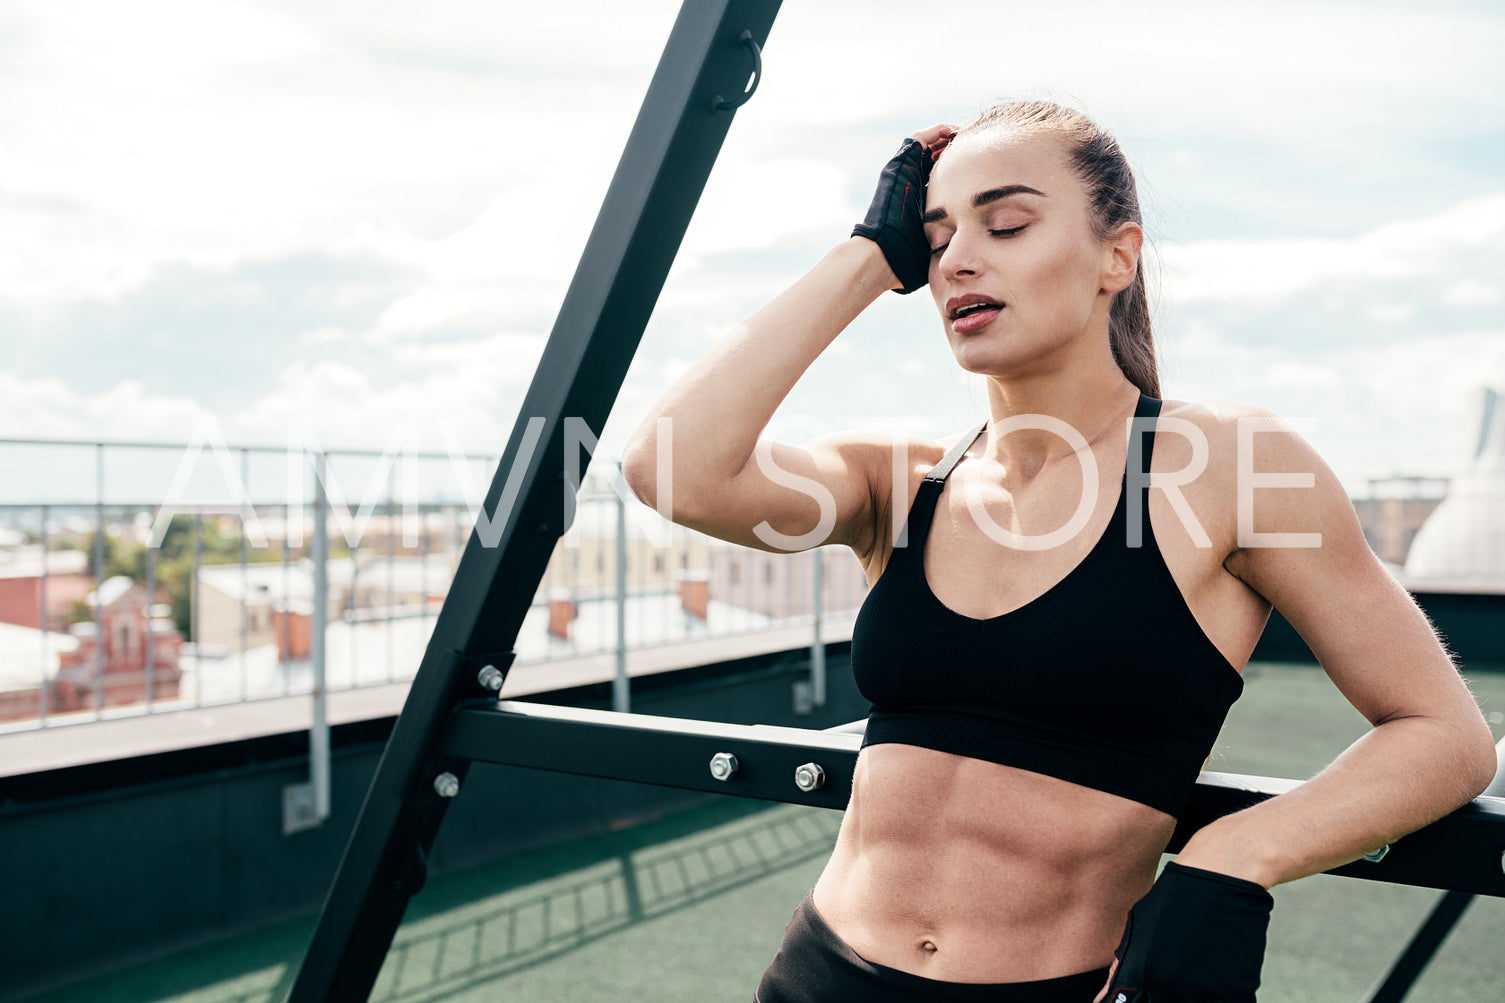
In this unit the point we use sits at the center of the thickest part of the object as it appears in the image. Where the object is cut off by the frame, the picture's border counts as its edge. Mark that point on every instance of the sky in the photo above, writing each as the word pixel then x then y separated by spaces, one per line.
pixel 360 219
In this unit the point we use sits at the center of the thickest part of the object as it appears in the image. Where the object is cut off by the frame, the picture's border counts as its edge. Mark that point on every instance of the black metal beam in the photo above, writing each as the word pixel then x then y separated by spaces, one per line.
pixel 674 142
pixel 1429 937
pixel 1402 976
pixel 1460 852
pixel 666 751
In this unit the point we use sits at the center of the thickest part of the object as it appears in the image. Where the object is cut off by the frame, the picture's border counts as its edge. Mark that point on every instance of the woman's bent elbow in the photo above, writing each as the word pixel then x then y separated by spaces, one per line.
pixel 1487 761
pixel 640 470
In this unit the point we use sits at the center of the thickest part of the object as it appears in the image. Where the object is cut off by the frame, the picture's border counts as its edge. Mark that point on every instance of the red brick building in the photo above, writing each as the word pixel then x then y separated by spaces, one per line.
pixel 136 646
pixel 22 588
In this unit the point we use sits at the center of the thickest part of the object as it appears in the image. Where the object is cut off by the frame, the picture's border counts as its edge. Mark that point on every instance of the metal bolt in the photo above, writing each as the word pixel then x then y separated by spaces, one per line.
pixel 810 777
pixel 723 766
pixel 490 677
pixel 446 785
pixel 1377 855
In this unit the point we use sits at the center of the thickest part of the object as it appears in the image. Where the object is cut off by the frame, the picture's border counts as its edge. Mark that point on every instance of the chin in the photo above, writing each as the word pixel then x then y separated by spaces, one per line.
pixel 979 360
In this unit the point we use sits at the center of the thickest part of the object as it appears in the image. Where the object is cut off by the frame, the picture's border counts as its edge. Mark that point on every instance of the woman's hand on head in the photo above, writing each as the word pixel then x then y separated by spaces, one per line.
pixel 936 138
pixel 893 220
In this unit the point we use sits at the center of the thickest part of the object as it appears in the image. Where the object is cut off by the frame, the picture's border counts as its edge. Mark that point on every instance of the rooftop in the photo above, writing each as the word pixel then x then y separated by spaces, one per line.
pixel 690 907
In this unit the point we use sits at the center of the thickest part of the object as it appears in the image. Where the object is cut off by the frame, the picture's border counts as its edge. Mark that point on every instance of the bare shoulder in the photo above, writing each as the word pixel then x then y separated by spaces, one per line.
pixel 893 464
pixel 1231 436
pixel 1244 470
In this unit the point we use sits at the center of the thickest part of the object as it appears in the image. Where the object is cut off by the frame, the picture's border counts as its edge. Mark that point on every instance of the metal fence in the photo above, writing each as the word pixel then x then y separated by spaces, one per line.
pixel 142 577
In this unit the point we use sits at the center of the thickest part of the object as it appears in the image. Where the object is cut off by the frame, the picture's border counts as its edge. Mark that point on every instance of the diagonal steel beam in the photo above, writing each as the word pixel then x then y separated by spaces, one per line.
pixel 701 78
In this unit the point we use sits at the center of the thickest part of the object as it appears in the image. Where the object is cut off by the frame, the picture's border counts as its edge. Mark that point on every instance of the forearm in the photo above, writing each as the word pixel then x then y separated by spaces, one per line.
pixel 1400 776
pixel 720 407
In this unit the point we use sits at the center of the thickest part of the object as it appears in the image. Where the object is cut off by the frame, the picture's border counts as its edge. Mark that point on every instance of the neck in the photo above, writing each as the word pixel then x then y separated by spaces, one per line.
pixel 1091 399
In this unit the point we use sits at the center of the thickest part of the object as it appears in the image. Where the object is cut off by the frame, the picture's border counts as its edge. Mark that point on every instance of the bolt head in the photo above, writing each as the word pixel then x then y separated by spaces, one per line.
pixel 446 785
pixel 490 677
pixel 1377 855
pixel 810 777
pixel 723 766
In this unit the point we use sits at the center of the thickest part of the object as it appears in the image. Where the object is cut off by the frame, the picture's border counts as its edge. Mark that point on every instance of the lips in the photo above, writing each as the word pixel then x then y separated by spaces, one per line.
pixel 972 312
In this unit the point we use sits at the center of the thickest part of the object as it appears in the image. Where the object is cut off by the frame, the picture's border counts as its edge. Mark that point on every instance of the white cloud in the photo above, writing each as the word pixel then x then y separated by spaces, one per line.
pixel 1463 244
pixel 1381 408
pixel 1288 71
pixel 468 150
pixel 471 388
pixel 1390 313
pixel 1472 293
pixel 50 408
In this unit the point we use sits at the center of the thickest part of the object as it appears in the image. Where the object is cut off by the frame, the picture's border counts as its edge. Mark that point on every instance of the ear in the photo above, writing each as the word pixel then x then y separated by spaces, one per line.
pixel 1121 257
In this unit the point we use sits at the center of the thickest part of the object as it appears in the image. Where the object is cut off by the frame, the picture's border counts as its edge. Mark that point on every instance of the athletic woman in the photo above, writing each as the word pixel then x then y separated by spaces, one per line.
pixel 1061 604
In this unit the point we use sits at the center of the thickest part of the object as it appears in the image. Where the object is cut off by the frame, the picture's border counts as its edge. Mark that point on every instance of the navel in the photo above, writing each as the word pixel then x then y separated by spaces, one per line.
pixel 928 946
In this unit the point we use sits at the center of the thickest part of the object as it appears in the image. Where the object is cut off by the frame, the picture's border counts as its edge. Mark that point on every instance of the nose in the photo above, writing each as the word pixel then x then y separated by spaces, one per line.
pixel 960 258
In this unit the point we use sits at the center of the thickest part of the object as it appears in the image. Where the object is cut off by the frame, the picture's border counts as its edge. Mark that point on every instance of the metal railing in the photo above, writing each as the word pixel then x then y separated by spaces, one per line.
pixel 212 586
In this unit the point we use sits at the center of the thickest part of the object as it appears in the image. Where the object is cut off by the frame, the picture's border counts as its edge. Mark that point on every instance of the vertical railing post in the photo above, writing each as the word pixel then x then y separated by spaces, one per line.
pixel 151 620
pixel 352 611
pixel 318 736
pixel 391 570
pixel 621 696
pixel 44 693
pixel 423 566
pixel 285 655
pixel 194 625
pixel 245 573
pixel 99 579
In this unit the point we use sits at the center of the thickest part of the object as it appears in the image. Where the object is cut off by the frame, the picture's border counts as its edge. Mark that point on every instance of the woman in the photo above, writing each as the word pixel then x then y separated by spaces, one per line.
pixel 1049 650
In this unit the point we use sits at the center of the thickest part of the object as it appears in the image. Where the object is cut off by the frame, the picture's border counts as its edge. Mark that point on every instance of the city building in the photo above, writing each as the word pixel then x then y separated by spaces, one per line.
pixel 129 656
pixel 30 577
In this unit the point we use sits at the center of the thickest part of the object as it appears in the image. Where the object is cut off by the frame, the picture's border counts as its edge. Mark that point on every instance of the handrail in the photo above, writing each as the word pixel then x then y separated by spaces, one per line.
pixel 1460 852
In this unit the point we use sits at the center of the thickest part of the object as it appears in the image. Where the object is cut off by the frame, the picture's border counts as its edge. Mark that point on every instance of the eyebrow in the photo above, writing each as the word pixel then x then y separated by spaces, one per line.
pixel 983 198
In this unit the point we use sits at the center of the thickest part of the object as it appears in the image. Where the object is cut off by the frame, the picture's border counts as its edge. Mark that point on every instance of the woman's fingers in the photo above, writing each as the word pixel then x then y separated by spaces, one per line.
pixel 936 138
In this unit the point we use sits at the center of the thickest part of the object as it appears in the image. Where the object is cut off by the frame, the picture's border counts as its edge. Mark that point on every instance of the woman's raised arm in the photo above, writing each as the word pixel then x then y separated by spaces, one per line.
pixel 719 478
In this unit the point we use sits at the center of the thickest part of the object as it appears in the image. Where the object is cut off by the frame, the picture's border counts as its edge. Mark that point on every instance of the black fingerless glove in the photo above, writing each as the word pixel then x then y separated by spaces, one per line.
pixel 1197 937
pixel 893 220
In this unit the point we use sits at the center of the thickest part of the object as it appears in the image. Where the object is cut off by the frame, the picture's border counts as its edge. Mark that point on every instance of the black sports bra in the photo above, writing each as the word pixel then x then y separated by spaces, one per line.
pixel 1106 680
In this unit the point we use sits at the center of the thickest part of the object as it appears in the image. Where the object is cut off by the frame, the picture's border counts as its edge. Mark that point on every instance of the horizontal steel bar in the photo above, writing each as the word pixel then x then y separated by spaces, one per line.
pixel 1461 852
pixel 666 751
pixel 489 459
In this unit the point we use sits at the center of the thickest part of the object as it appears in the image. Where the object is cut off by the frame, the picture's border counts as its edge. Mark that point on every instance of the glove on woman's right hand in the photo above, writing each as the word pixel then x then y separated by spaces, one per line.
pixel 1197 937
pixel 893 220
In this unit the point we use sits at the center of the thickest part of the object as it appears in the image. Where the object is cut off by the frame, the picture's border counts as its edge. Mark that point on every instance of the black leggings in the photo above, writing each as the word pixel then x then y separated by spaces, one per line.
pixel 816 966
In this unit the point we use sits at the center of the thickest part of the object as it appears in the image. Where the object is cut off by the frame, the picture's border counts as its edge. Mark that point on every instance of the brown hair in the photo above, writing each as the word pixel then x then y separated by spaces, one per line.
pixel 1104 171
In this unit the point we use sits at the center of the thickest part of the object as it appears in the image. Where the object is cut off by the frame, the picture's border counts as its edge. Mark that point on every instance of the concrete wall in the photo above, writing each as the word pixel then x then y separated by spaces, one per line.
pixel 111 864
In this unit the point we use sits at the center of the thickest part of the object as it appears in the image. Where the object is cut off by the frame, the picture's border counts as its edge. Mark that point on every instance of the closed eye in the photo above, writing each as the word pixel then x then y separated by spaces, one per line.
pixel 1010 232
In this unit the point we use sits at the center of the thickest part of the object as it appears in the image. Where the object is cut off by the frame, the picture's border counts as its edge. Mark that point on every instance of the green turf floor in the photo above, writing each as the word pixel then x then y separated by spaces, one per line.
pixel 690 908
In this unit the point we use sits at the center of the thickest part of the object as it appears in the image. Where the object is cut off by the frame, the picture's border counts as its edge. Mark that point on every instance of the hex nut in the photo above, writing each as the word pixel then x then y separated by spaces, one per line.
pixel 490 677
pixel 1377 855
pixel 723 766
pixel 446 785
pixel 810 777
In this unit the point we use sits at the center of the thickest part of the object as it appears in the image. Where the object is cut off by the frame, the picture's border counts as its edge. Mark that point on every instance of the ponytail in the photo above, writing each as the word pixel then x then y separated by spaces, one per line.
pixel 1130 337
